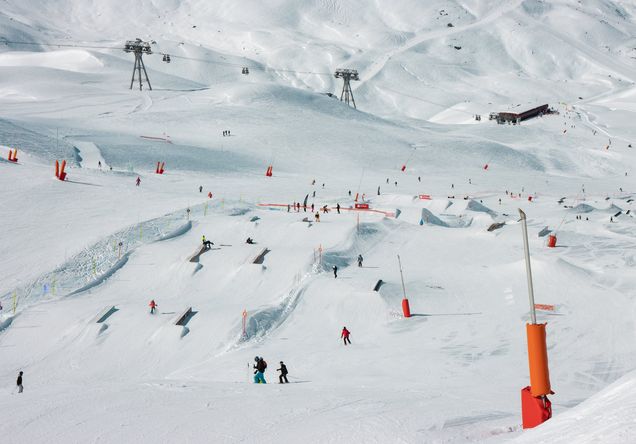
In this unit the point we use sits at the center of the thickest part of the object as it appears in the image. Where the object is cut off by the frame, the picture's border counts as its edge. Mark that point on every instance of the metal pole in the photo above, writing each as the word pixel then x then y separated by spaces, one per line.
pixel 402 276
pixel 526 249
pixel 147 79
pixel 139 69
pixel 132 80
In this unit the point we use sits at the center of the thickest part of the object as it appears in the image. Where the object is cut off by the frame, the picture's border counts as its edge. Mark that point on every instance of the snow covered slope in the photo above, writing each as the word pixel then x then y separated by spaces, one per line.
pixel 81 259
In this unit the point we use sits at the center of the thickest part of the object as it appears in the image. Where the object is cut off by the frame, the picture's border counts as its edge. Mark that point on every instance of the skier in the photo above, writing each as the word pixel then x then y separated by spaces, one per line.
pixel 314 194
pixel 317 216
pixel 338 208
pixel 378 190
pixel 283 373
pixel 349 193
pixel 152 305
pixel 387 180
pixel 200 188
pixel 99 164
pixel 249 241
pixel 19 383
pixel 261 365
pixel 419 179
pixel 345 336
pixel 312 207
pixel 360 259
pixel 335 271
pixel 0 306
pixel 289 207
pixel 396 183
pixel 138 180
pixel 325 209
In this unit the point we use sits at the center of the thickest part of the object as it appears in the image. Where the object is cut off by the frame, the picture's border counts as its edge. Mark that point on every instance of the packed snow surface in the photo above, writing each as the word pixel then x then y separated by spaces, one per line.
pixel 82 258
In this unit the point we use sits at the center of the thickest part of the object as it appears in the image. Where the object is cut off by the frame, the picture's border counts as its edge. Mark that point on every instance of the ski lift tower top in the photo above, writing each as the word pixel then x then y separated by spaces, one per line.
pixel 347 75
pixel 137 46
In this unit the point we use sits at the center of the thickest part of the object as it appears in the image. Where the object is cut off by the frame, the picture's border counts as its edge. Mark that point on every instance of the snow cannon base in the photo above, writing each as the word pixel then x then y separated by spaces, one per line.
pixel 534 410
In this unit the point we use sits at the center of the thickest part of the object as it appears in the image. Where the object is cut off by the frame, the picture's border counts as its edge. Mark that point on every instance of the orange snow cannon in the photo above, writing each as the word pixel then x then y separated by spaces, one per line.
pixel 62 174
pixel 538 360
pixel 13 155
pixel 406 309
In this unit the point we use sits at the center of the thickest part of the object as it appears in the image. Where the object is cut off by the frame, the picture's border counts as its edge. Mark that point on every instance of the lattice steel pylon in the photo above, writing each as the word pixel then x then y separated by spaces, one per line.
pixel 139 48
pixel 347 75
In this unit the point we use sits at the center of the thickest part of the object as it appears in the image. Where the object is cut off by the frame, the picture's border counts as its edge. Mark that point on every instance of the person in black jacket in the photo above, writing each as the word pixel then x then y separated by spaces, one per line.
pixel 19 383
pixel 283 373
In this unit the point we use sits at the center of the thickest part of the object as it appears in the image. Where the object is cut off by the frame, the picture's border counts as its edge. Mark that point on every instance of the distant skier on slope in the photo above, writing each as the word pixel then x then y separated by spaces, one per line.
pixel 283 373
pixel 19 383
pixel 261 365
pixel 206 243
pixel 338 208
pixel 360 259
pixel 152 305
pixel 345 336
pixel 138 180
pixel 200 188
pixel 335 271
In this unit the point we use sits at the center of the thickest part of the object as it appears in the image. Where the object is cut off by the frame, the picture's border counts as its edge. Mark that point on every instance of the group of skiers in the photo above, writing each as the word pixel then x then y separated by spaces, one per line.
pixel 261 366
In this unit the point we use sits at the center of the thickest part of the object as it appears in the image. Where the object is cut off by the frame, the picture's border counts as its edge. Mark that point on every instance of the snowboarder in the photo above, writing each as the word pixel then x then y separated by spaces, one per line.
pixel 200 188
pixel 19 383
pixel 283 373
pixel 152 305
pixel 138 180
pixel 206 243
pixel 259 370
pixel 338 208
pixel 345 336
pixel 249 241
pixel 360 259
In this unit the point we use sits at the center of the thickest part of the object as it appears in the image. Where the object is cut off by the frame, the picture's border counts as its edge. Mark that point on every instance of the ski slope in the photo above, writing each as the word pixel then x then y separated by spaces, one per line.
pixel 81 259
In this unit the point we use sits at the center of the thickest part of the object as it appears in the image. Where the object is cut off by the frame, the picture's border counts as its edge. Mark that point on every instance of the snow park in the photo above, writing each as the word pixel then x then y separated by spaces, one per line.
pixel 318 221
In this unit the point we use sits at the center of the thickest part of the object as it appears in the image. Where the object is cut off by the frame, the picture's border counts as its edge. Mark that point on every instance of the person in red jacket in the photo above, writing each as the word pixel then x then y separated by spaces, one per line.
pixel 153 305
pixel 345 335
